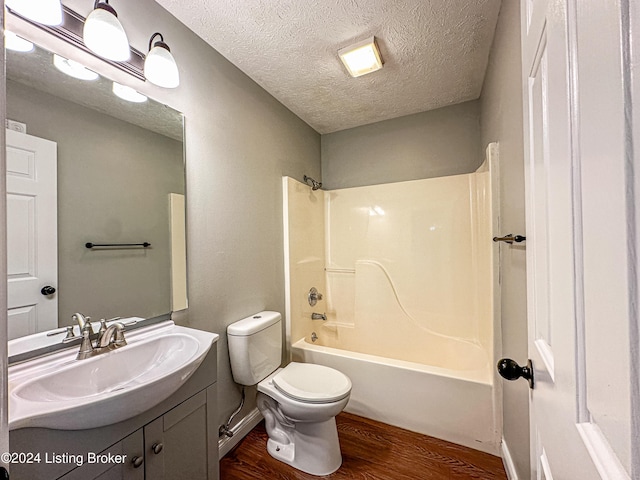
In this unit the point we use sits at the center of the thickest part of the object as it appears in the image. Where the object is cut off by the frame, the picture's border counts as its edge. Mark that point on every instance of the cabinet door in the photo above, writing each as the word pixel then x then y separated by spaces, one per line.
pixel 122 461
pixel 176 443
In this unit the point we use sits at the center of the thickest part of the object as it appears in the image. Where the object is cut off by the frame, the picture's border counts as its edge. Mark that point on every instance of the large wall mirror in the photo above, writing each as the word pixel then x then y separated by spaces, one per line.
pixel 91 168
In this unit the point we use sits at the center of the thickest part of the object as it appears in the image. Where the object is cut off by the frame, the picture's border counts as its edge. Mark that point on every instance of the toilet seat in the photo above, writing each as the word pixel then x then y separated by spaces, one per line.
pixel 310 383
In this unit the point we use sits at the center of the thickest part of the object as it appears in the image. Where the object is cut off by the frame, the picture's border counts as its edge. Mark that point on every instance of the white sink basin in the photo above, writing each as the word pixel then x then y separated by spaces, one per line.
pixel 63 393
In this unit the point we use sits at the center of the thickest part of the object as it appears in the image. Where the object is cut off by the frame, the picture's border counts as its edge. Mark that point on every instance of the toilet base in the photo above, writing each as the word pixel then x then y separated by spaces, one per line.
pixel 313 448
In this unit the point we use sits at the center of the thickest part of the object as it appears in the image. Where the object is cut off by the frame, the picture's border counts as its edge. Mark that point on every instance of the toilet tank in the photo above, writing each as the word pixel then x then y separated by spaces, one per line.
pixel 255 347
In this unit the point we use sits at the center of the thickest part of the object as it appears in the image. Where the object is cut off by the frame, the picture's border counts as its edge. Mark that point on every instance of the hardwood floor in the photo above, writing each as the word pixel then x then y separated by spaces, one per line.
pixel 370 451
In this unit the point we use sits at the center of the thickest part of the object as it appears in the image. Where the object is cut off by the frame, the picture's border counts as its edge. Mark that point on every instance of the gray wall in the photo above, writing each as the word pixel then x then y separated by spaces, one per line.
pixel 501 121
pixel 239 141
pixel 113 184
pixel 437 143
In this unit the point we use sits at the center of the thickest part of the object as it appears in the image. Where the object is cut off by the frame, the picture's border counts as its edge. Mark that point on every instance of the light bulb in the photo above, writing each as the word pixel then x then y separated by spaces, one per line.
pixel 128 93
pixel 160 67
pixel 73 68
pixel 47 12
pixel 103 34
pixel 16 43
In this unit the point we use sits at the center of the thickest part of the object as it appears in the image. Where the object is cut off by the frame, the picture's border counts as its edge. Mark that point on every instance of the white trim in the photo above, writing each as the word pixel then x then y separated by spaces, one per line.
pixel 603 456
pixel 507 461
pixel 287 272
pixel 239 430
pixel 545 352
pixel 545 468
pixel 4 410
pixel 631 47
pixel 492 156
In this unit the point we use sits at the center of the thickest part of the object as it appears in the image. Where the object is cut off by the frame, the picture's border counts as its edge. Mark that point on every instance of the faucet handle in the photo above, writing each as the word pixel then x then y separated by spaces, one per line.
pixel 119 340
pixel 70 336
pixel 86 348
pixel 103 328
pixel 87 326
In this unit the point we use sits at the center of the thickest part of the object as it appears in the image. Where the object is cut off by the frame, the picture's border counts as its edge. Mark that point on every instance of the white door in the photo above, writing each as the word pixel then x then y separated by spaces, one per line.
pixel 32 237
pixel 582 265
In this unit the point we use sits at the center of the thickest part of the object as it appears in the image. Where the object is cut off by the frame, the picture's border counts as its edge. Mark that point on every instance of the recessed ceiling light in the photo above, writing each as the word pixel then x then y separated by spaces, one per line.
pixel 128 93
pixel 73 68
pixel 16 43
pixel 361 58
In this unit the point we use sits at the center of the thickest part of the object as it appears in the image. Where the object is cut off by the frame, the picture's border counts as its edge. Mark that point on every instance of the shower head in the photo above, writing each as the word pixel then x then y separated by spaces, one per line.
pixel 314 185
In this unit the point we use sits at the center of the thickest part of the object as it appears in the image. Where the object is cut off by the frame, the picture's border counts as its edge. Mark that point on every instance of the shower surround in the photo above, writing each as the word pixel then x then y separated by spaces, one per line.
pixel 407 273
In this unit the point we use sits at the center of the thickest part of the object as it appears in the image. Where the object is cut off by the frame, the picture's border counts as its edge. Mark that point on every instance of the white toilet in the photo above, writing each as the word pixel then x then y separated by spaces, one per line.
pixel 299 402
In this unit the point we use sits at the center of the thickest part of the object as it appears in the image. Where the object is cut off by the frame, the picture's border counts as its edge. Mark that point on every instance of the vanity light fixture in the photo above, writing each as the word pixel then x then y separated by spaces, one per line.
pixel 160 67
pixel 128 93
pixel 73 68
pixel 46 12
pixel 361 58
pixel 103 33
pixel 16 43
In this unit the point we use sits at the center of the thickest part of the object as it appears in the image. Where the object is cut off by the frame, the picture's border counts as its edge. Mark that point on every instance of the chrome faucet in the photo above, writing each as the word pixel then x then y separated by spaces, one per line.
pixel 113 337
pixel 318 316
pixel 108 339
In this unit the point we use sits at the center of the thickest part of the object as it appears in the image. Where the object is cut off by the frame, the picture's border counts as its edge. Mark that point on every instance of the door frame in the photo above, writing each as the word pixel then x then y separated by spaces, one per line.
pixel 4 411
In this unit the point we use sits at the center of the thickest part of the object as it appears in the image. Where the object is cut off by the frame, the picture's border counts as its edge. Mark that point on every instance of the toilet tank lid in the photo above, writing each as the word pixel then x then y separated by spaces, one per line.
pixel 253 324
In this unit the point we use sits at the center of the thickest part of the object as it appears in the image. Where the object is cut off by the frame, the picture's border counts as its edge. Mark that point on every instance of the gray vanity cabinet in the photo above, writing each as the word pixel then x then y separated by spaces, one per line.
pixel 177 439
pixel 172 447
pixel 176 443
pixel 131 469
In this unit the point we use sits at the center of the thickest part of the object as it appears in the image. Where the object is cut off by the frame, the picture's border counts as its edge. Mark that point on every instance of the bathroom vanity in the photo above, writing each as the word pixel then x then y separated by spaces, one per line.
pixel 178 438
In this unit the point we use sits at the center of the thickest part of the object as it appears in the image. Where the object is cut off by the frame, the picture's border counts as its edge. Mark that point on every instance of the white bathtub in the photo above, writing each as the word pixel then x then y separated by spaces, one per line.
pixel 457 406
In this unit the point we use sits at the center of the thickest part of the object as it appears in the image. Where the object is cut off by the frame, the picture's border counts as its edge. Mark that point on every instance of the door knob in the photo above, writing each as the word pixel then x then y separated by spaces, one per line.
pixel 510 370
pixel 48 290
pixel 157 448
pixel 137 462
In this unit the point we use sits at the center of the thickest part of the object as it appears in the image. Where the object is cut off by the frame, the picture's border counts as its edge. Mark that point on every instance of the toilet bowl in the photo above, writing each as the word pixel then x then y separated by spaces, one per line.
pixel 299 402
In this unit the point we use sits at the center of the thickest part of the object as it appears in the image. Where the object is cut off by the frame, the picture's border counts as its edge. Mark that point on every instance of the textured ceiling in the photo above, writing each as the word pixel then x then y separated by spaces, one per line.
pixel 435 52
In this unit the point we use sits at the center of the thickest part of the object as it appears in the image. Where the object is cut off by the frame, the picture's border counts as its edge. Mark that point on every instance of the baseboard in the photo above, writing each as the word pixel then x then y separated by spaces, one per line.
pixel 240 430
pixel 507 461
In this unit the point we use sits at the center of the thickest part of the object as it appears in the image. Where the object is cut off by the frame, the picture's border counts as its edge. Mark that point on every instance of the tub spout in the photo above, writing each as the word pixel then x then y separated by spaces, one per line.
pixel 318 316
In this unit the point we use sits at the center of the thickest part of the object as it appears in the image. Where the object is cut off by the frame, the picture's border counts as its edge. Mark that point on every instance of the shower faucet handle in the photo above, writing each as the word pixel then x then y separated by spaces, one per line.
pixel 510 238
pixel 313 296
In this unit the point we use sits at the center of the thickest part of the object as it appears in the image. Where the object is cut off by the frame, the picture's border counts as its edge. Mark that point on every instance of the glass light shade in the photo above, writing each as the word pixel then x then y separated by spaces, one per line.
pixel 73 68
pixel 16 43
pixel 128 93
pixel 160 68
pixel 361 58
pixel 47 12
pixel 103 34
